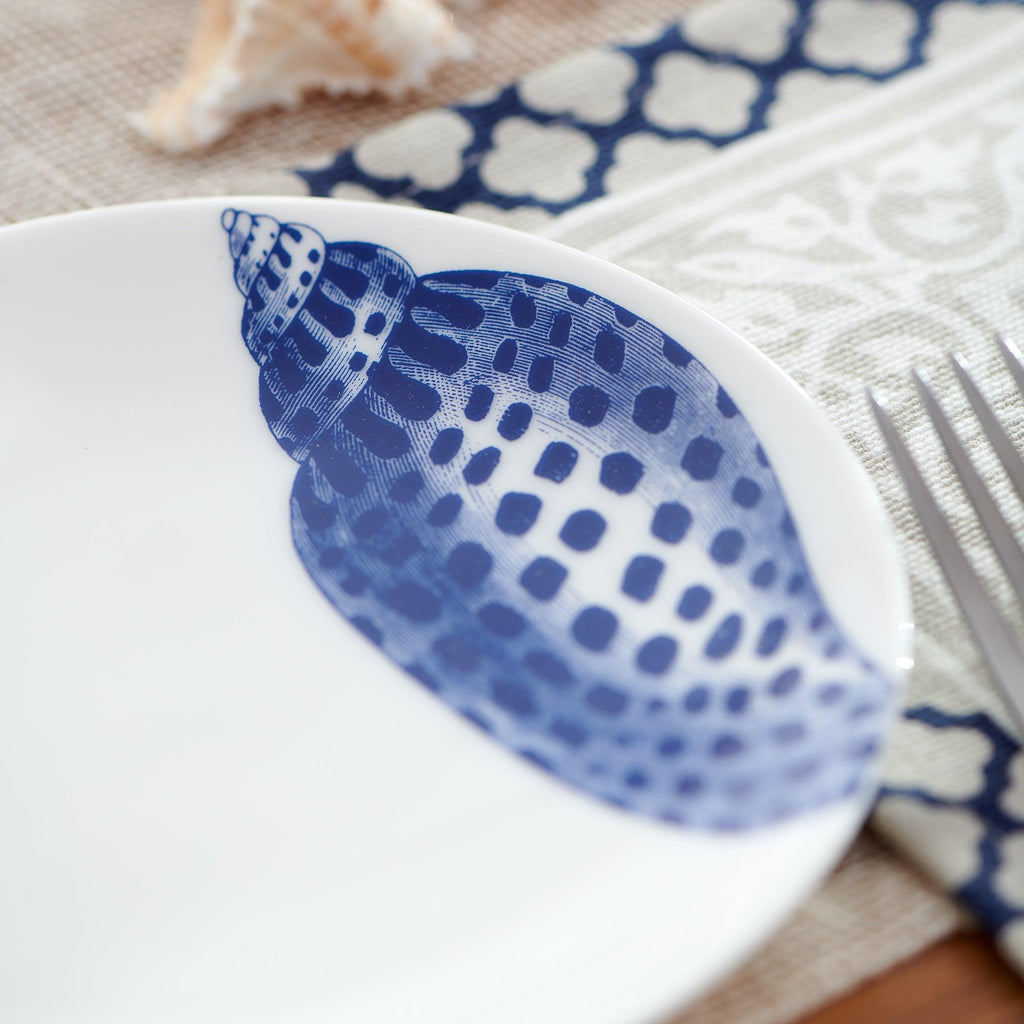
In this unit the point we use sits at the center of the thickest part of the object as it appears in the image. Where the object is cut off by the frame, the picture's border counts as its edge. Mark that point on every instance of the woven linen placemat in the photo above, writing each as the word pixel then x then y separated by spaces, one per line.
pixel 72 69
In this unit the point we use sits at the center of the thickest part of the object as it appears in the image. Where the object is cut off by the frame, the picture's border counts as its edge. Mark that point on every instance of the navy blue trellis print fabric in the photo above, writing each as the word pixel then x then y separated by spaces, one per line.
pixel 989 805
pixel 483 119
pixel 553 516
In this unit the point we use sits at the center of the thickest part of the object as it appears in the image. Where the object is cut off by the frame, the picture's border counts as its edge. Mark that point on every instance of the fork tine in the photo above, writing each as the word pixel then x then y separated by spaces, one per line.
pixel 992 520
pixel 994 430
pixel 997 644
pixel 1014 360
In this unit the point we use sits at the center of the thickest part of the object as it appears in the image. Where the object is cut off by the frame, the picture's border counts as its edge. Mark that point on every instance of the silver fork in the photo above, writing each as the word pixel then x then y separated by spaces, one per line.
pixel 1002 651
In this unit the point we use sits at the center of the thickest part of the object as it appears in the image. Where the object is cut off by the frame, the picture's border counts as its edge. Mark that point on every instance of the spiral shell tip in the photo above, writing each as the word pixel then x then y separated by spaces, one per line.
pixel 228 218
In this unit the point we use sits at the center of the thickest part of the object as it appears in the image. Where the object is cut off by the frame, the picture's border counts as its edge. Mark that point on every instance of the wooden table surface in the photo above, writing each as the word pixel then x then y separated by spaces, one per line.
pixel 959 981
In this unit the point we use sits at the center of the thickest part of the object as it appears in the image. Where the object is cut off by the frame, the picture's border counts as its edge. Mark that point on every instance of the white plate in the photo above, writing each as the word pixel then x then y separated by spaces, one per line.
pixel 220 802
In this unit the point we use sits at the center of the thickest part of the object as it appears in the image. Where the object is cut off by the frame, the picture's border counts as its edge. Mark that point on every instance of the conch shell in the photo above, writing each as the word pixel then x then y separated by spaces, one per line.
pixel 251 54
pixel 551 515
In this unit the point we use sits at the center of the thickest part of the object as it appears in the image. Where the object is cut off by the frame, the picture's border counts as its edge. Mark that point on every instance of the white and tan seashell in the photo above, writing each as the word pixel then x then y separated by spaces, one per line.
pixel 251 54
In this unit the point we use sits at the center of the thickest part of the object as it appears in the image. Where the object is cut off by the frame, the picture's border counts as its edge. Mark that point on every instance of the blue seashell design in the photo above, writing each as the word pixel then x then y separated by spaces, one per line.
pixel 553 516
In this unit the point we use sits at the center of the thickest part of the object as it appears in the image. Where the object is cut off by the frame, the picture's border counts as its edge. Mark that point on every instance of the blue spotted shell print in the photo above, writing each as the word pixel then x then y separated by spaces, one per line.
pixel 552 515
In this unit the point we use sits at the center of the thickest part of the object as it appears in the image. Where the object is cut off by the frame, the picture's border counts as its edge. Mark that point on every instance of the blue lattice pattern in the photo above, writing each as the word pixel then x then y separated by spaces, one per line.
pixel 553 516
pixel 648 102
pixel 997 805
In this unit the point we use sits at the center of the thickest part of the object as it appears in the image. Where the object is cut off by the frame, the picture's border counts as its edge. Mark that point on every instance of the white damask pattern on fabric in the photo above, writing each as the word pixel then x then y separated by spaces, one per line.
pixel 850 249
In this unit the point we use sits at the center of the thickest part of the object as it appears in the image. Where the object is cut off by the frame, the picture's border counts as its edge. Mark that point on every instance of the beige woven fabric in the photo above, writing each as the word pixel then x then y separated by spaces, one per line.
pixel 70 71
